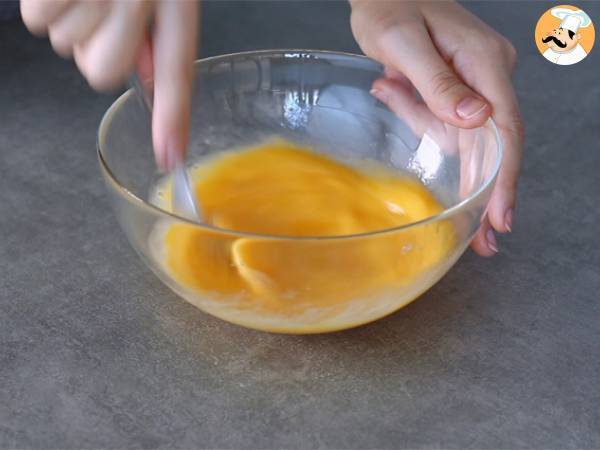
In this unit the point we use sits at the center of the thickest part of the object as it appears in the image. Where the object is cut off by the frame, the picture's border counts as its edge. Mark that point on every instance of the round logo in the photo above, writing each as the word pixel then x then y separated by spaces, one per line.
pixel 564 35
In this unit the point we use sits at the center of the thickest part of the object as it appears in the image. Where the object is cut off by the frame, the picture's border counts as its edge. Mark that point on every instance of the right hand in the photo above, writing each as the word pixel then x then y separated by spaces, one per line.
pixel 109 39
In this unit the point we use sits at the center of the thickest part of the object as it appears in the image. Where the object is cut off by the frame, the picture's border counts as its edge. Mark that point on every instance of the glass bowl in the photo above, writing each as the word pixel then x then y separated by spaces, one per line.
pixel 320 99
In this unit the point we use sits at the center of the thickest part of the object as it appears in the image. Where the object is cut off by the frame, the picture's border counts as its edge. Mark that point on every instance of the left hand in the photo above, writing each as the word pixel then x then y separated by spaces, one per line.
pixel 462 68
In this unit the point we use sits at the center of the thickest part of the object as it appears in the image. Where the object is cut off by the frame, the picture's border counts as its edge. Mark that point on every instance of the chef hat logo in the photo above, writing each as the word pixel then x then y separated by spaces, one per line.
pixel 564 35
pixel 571 20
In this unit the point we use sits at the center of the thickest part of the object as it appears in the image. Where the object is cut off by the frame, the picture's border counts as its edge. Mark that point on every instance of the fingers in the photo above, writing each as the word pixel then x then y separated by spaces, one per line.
pixel 38 15
pixel 392 74
pixel 399 97
pixel 145 64
pixel 497 87
pixel 174 43
pixel 409 49
pixel 76 25
pixel 109 38
pixel 109 55
pixel 103 36
pixel 484 243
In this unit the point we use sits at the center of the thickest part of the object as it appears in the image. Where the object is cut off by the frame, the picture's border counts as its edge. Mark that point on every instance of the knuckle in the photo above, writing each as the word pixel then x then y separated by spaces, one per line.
pixel 60 43
pixel 516 128
pixel 389 31
pixel 511 53
pixel 443 82
pixel 490 44
pixel 103 66
pixel 497 46
pixel 99 78
pixel 377 30
pixel 34 16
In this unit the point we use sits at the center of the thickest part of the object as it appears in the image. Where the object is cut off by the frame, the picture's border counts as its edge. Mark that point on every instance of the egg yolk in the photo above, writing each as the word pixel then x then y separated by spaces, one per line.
pixel 282 190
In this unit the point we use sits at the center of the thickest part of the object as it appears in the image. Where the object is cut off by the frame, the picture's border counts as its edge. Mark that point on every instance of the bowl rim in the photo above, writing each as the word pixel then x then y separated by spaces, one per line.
pixel 140 202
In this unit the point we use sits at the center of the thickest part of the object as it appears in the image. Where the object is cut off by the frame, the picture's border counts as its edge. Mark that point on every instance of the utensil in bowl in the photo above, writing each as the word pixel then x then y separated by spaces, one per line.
pixel 183 201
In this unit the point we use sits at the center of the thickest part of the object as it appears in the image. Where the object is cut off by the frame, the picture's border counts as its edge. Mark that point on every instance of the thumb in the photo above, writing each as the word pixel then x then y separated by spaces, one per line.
pixel 409 49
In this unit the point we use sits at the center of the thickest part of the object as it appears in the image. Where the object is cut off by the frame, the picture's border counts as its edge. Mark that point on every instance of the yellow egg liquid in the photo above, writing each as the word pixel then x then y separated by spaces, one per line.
pixel 307 284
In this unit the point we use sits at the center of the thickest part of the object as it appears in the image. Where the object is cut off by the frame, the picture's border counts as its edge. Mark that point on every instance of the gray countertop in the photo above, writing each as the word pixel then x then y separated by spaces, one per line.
pixel 96 352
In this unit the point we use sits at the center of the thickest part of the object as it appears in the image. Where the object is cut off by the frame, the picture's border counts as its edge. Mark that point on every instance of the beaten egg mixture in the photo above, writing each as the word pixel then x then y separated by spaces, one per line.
pixel 283 190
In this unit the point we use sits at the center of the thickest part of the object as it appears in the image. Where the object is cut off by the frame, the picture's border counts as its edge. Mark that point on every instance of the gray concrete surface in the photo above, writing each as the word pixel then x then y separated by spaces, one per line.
pixel 95 352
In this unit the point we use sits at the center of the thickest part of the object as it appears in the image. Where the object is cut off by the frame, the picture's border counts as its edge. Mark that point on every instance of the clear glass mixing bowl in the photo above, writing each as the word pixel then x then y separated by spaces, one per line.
pixel 321 99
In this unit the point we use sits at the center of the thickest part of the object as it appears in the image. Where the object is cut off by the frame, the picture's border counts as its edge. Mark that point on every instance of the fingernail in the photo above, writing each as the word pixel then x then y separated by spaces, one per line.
pixel 380 95
pixel 491 241
pixel 470 107
pixel 508 220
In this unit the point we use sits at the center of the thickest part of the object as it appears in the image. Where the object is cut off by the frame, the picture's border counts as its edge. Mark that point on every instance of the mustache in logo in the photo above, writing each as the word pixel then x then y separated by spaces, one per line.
pixel 555 40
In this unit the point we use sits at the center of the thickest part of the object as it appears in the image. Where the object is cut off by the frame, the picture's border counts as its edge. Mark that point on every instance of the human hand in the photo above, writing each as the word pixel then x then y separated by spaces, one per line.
pixel 461 68
pixel 109 38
